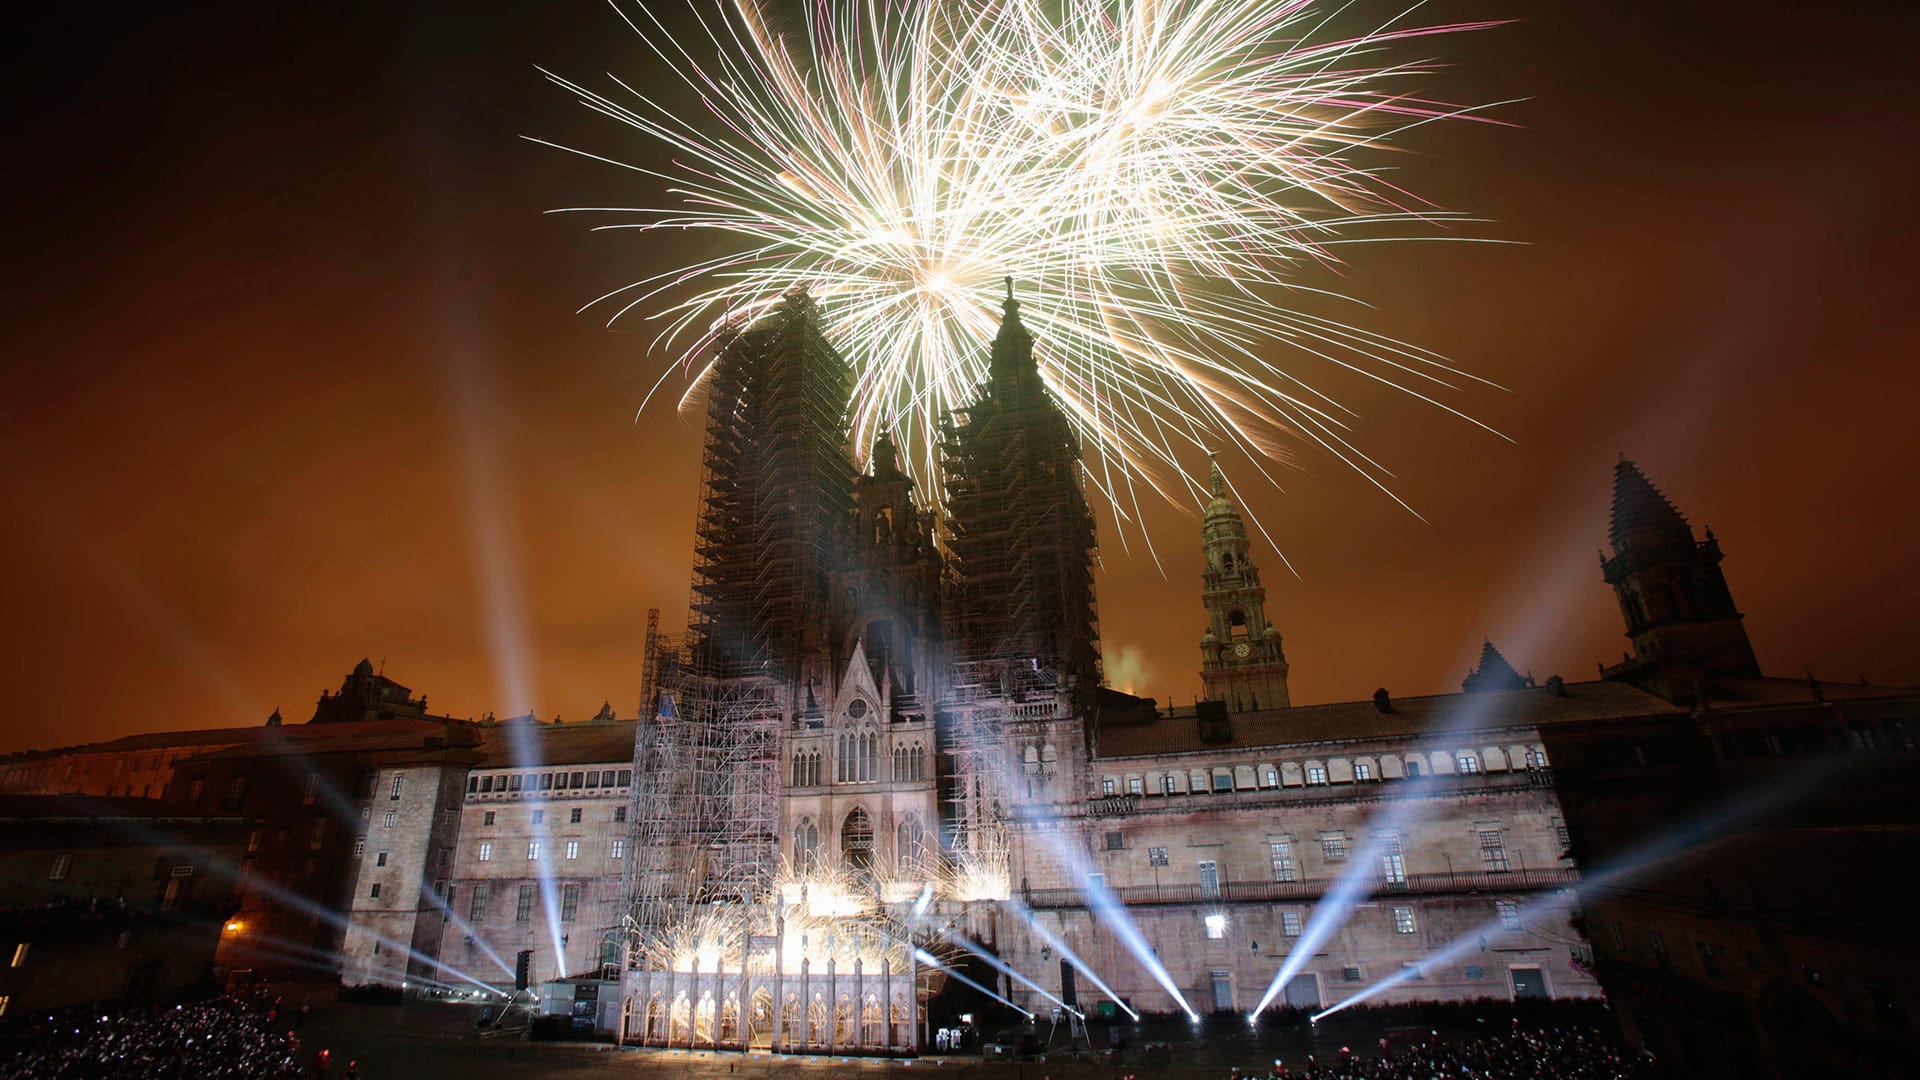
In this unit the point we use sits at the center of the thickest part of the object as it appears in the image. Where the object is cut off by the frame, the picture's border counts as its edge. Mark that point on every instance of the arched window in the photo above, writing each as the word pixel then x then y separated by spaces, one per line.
pixel 799 768
pixel 856 840
pixel 910 843
pixel 1030 757
pixel 1226 562
pixel 1237 623
pixel 813 768
pixel 806 845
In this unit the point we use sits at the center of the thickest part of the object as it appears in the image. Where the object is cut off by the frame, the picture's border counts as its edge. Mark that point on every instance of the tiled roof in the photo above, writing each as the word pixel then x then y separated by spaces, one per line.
pixel 361 736
pixel 94 808
pixel 1346 720
pixel 559 744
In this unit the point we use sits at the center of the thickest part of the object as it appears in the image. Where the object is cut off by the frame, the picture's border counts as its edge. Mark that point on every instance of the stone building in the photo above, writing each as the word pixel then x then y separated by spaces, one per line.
pixel 111 899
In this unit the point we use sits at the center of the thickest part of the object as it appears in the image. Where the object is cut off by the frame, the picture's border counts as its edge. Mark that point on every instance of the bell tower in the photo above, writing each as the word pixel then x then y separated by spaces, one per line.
pixel 1241 662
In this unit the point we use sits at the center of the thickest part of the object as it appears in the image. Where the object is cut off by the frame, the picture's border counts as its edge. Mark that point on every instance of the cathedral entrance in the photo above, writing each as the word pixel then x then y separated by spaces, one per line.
pixel 856 842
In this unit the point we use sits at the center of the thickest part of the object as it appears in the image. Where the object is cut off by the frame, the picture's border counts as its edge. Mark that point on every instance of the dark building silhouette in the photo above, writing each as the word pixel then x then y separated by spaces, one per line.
pixel 1680 614
pixel 1493 673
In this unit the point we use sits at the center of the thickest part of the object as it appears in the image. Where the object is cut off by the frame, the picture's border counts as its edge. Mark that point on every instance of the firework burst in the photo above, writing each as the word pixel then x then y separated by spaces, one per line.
pixel 1166 177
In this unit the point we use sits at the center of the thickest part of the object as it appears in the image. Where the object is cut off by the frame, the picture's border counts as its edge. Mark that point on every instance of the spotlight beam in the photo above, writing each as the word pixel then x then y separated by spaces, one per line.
pixel 1712 823
pixel 1060 946
pixel 928 958
pixel 1003 966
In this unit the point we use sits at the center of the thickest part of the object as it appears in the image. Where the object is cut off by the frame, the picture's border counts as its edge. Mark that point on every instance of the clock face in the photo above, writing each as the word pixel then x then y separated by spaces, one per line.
pixel 1241 650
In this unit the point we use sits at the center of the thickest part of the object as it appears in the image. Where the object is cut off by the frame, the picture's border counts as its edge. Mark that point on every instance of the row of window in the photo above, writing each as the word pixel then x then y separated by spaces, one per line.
pixel 857 762
pixel 1333 848
pixel 1246 778
pixel 482 898
pixel 528 783
pixel 616 849
pixel 1290 922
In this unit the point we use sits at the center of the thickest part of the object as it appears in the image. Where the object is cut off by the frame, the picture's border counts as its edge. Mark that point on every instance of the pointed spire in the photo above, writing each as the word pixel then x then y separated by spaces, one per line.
pixel 885 457
pixel 1214 480
pixel 1012 346
pixel 1494 672
pixel 1638 506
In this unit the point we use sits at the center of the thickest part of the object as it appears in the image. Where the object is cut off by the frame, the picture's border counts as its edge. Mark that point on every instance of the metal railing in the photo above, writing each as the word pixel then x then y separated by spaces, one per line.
pixel 1243 892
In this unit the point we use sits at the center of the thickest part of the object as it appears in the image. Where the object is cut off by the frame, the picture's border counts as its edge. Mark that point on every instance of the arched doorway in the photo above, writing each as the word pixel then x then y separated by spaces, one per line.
pixel 856 841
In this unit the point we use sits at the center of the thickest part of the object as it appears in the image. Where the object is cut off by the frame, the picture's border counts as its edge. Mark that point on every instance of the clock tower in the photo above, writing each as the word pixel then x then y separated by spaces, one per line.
pixel 1240 658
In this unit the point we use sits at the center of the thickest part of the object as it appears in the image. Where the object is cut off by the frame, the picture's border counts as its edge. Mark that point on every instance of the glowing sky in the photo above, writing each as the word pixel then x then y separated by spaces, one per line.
pixel 288 335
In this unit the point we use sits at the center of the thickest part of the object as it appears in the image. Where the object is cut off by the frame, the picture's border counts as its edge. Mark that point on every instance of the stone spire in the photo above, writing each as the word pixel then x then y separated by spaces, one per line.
pixel 1241 660
pixel 1494 673
pixel 1012 346
pixel 1640 509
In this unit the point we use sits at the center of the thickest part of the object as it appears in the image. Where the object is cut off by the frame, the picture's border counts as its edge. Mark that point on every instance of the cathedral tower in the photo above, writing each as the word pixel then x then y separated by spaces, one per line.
pixel 1679 613
pixel 1241 662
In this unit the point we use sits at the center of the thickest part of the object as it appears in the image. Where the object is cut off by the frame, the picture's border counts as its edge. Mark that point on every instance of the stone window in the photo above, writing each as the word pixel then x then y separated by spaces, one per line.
pixel 573 849
pixel 619 815
pixel 1362 771
pixel 523 909
pixel 477 905
pixel 1116 841
pixel 1290 923
pixel 1281 853
pixel 539 817
pixel 1493 853
pixel 569 902
pixel 617 849
pixel 380 859
pixel 394 794
pixel 313 786
pixel 1106 785
pixel 1210 880
pixel 1403 920
pixel 533 851
pixel 374 893
pixel 1350 974
pixel 1316 774
pixel 58 870
pixel 1509 914
pixel 626 777
pixel 1156 856
pixel 1270 777
pixel 359 846
pixel 391 818
pixel 573 816
pixel 1223 781
pixel 1136 786
pixel 488 819
pixel 1333 848
pixel 1167 785
pixel 1216 925
pixel 1467 764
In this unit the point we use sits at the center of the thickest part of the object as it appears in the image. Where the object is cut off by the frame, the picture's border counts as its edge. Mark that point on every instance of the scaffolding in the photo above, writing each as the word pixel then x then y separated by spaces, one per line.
pixel 776 507
pixel 1022 624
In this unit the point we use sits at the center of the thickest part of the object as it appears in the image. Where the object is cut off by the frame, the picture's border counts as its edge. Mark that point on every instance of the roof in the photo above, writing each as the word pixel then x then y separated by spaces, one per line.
pixel 557 744
pixel 354 736
pixel 1484 711
pixel 1765 690
pixel 153 740
pixel 1638 506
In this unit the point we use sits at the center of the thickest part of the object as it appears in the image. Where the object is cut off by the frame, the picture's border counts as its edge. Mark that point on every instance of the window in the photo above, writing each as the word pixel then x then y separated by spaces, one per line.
pixel 393 795
pixel 1413 769
pixel 1216 927
pixel 569 902
pixel 488 819
pixel 1210 880
pixel 380 859
pixel 1493 854
pixel 1106 785
pixel 236 791
pixel 1166 784
pixel 313 785
pixel 449 818
pixel 486 785
pixel 359 846
pixel 1466 764
pixel 1136 786
pixel 1333 848
pixel 626 777
pixel 58 870
pixel 1290 923
pixel 806 841
pixel 578 780
pixel 1566 839
pixel 20 953
pixel 1509 914
pixel 619 815
pixel 1316 774
pixel 1270 778
pixel 546 781
pixel 523 908
pixel 391 818
pixel 1362 771
pixel 1350 974
pixel 1403 920
pixel 573 849
pixel 533 850
pixel 1116 841
pixel 617 849
pixel 477 906
pixel 1709 960
pixel 1281 852
pixel 473 785
pixel 1223 781
pixel 573 816
pixel 1536 759
pixel 593 778
pixel 374 893
pixel 1156 856
pixel 539 817
pixel 1393 864
pixel 486 852
pixel 319 836
pixel 194 789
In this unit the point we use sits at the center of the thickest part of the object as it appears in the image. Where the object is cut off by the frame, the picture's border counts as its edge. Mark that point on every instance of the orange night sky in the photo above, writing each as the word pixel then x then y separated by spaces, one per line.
pixel 293 360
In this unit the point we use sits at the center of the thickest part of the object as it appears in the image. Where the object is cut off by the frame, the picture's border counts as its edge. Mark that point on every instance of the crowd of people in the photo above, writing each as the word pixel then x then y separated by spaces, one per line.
pixel 1558 1053
pixel 248 1034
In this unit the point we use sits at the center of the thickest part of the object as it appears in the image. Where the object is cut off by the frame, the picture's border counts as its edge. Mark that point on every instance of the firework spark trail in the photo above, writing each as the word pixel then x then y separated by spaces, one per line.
pixel 1164 170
